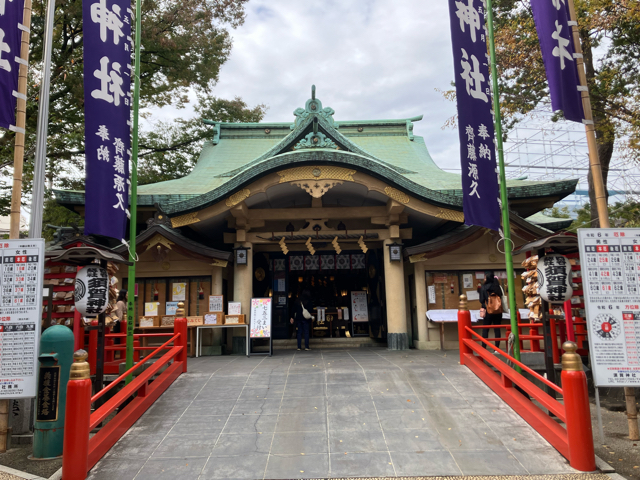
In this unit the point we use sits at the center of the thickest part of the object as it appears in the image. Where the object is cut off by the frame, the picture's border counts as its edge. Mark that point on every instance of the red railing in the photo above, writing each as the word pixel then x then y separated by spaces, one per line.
pixel 81 453
pixel 574 440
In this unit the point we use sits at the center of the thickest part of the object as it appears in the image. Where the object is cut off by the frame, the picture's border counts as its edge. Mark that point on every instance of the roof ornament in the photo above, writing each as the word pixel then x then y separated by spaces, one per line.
pixel 313 107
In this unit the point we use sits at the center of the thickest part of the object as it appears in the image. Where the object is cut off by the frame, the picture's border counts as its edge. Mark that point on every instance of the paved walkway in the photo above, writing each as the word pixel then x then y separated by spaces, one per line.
pixel 362 413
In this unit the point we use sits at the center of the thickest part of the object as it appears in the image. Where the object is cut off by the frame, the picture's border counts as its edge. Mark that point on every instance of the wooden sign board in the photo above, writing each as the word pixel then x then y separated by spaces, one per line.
pixel 167 320
pixel 234 320
pixel 216 303
pixel 195 320
pixel 149 321
pixel 214 318
pixel 260 318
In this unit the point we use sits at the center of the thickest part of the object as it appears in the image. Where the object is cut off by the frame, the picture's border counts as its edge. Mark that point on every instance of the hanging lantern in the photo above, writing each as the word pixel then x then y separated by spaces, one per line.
pixel 554 278
pixel 395 252
pixel 92 291
pixel 241 255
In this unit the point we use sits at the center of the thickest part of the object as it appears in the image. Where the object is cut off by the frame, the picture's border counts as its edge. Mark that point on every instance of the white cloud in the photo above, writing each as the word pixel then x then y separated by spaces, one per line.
pixel 369 59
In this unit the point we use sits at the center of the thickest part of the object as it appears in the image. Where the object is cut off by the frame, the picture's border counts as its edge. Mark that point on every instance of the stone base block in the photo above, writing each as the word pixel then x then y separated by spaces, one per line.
pixel 397 341
pixel 239 346
pixel 211 350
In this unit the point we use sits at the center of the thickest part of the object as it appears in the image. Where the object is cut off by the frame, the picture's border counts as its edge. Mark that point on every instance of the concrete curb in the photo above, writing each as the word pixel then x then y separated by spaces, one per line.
pixel 603 466
pixel 18 473
pixel 57 475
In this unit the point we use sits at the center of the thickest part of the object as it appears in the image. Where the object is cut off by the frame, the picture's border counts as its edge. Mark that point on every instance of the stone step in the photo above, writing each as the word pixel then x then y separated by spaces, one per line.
pixel 322 343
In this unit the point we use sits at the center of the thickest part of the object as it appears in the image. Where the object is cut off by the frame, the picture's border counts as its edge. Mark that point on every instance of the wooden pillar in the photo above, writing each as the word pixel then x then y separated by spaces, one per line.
pixel 396 300
pixel 420 342
pixel 242 291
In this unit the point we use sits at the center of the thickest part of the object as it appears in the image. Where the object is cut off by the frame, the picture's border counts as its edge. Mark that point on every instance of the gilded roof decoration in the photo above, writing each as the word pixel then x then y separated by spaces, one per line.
pixel 397 195
pixel 238 197
pixel 316 188
pixel 316 173
pixel 452 215
pixel 184 220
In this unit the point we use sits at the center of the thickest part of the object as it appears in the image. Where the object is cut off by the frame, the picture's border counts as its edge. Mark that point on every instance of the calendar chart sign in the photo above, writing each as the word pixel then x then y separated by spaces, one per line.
pixel 610 261
pixel 22 265
pixel 260 318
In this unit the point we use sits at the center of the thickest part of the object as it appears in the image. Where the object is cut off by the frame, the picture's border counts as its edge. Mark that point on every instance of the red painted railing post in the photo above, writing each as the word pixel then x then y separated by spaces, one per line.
pixel 578 415
pixel 464 321
pixel 180 327
pixel 136 353
pixel 109 355
pixel 554 337
pixel 93 347
pixel 75 447
pixel 568 316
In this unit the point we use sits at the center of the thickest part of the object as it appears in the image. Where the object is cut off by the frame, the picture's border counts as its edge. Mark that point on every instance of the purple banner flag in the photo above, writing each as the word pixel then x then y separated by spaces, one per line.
pixel 107 111
pixel 11 13
pixel 475 119
pixel 556 42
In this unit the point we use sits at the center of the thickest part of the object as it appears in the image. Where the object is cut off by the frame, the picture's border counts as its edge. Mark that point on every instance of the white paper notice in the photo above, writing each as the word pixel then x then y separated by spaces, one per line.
pixel 432 294
pixel 215 303
pixel 479 275
pixel 235 308
pixel 472 295
pixel 281 285
pixel 20 314
pixel 151 309
pixel 467 280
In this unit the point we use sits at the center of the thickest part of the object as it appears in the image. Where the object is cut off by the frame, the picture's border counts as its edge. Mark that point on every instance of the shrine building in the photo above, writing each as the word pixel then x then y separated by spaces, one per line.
pixel 333 207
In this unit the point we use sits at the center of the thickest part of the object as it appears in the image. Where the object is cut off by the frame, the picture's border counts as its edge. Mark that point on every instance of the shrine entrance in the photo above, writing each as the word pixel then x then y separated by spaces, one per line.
pixel 347 291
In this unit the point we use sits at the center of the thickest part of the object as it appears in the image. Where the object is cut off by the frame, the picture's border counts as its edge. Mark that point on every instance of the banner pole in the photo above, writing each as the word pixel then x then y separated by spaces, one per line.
pixel 133 204
pixel 504 198
pixel 40 162
pixel 18 161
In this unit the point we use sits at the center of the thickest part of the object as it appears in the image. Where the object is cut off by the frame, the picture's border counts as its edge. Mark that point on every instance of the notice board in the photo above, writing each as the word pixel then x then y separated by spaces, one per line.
pixel 610 264
pixel 260 326
pixel 21 314
pixel 359 307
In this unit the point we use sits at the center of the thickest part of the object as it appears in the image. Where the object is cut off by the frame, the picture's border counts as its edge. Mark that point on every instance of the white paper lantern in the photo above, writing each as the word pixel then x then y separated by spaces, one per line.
pixel 554 278
pixel 92 291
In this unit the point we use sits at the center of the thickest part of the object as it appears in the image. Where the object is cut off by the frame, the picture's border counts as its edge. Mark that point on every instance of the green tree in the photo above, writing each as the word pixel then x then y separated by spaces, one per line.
pixel 621 215
pixel 184 45
pixel 610 34
pixel 557 212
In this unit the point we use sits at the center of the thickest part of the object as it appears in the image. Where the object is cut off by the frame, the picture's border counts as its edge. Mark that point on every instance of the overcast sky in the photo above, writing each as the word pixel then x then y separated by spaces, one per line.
pixel 369 59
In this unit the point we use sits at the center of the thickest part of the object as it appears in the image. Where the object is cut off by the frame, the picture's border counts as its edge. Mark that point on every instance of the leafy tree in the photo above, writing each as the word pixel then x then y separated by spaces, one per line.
pixel 609 30
pixel 621 215
pixel 557 212
pixel 184 45
pixel 170 150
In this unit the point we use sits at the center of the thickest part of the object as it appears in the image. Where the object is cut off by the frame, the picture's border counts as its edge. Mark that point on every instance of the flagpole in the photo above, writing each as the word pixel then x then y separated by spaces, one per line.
pixel 18 161
pixel 40 162
pixel 133 204
pixel 504 198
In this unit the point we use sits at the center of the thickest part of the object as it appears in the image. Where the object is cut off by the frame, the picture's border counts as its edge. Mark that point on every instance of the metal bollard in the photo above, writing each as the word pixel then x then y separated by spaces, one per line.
pixel 56 356
pixel 77 420
pixel 576 404
pixel 464 321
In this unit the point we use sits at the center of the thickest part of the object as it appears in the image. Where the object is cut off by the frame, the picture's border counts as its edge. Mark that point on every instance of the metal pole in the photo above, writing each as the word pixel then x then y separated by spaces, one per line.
pixel 599 414
pixel 133 204
pixel 18 160
pixel 40 164
pixel 504 199
pixel 599 187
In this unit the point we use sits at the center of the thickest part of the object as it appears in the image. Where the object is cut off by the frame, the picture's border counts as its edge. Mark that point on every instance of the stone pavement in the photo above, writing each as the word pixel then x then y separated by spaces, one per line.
pixel 331 413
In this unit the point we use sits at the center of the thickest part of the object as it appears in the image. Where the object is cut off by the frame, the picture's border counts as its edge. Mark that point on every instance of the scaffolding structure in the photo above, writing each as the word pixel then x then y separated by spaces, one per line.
pixel 541 149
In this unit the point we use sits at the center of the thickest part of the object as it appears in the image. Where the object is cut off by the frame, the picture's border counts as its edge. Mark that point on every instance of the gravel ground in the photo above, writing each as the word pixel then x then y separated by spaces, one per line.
pixel 617 450
pixel 17 458
pixel 8 476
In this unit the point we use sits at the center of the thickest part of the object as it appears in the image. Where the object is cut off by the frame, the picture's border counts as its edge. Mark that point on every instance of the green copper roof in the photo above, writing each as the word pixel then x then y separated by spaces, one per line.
pixel 239 153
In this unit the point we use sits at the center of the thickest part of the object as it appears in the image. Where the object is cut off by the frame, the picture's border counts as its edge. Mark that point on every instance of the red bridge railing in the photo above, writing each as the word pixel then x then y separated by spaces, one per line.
pixel 572 437
pixel 81 453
